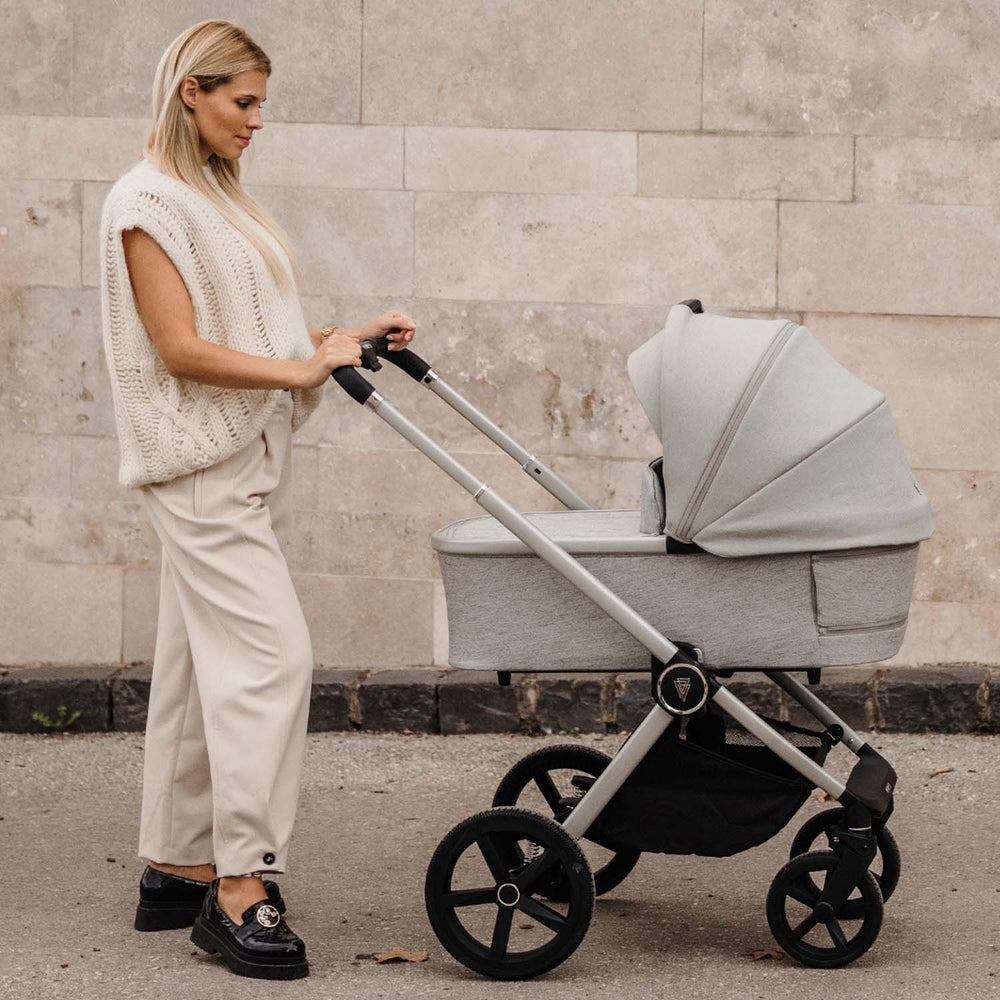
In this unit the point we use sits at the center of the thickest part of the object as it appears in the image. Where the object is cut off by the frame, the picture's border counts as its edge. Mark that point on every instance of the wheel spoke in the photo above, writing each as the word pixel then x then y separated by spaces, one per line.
pixel 798 892
pixel 805 927
pixel 501 932
pixel 491 854
pixel 530 876
pixel 537 910
pixel 837 934
pixel 548 788
pixel 468 897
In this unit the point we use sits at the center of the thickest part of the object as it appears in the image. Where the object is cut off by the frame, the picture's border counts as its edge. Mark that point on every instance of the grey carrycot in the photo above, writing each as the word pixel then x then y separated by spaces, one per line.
pixel 778 531
pixel 782 500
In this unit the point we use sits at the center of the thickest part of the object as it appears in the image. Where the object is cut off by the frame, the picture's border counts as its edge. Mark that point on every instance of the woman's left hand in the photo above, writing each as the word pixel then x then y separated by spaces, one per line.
pixel 402 326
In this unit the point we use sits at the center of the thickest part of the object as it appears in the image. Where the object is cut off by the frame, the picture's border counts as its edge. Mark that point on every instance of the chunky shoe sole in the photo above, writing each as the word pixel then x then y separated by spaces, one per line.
pixel 240 962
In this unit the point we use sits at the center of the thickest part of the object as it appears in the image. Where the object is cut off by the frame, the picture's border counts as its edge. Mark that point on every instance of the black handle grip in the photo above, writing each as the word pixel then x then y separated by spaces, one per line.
pixel 405 360
pixel 353 383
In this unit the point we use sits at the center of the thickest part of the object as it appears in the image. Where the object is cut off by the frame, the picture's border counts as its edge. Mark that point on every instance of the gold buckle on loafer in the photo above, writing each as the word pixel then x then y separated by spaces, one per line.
pixel 267 915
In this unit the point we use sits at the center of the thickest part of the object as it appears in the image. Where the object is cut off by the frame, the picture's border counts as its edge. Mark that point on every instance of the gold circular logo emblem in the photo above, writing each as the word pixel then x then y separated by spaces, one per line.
pixel 267 916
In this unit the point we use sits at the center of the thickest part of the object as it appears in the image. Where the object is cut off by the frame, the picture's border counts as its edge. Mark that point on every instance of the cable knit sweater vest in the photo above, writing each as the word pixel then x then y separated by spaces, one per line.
pixel 168 426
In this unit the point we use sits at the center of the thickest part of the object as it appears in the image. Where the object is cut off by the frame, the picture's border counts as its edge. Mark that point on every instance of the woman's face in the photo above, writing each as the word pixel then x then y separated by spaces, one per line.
pixel 225 114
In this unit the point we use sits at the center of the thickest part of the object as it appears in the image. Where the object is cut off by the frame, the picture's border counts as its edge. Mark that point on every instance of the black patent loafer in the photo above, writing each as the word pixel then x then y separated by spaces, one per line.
pixel 262 945
pixel 167 901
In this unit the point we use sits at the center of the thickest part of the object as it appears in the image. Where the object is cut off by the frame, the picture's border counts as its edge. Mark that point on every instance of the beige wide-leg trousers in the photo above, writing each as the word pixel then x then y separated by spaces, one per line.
pixel 232 667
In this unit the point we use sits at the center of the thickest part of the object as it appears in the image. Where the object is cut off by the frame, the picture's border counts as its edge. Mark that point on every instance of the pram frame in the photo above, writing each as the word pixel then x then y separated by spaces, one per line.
pixel 867 797
pixel 661 648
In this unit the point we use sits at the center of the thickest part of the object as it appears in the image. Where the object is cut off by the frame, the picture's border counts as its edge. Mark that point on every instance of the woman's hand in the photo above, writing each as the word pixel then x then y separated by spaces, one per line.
pixel 338 349
pixel 402 325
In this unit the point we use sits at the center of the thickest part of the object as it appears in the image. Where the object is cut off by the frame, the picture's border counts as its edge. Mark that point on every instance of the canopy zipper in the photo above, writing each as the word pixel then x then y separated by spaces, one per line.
pixel 719 453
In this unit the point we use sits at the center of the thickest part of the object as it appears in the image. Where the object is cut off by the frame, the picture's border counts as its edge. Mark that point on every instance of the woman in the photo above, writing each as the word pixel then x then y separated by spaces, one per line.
pixel 212 369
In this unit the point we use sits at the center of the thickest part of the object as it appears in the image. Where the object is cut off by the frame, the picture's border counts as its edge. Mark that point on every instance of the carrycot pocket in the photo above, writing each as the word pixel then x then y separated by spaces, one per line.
pixel 712 795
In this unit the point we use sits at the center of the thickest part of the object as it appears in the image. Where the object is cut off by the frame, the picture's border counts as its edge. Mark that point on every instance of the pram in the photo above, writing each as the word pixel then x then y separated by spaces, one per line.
pixel 777 532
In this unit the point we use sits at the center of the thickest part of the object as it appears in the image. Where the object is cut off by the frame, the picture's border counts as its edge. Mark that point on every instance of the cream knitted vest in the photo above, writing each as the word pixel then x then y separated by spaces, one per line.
pixel 168 426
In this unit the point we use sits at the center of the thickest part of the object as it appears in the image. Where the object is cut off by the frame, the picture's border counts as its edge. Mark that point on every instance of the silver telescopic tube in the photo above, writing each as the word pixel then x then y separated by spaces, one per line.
pixel 812 704
pixel 538 471
pixel 540 543
pixel 790 754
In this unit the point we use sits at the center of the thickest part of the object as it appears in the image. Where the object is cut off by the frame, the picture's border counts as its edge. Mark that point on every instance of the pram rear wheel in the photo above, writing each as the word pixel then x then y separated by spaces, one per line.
pixel 482 889
pixel 551 777
pixel 815 939
pixel 885 867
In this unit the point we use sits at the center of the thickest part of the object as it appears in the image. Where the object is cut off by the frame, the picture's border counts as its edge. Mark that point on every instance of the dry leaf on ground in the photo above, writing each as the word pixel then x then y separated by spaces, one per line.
pixel 396 955
pixel 758 953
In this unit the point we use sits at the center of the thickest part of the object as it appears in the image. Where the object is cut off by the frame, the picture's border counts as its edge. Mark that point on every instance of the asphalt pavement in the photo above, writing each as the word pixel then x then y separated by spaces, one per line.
pixel 372 810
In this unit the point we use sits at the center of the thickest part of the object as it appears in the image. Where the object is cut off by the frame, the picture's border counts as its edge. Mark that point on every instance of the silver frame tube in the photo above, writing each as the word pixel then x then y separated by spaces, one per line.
pixel 540 543
pixel 658 719
pixel 816 708
pixel 537 470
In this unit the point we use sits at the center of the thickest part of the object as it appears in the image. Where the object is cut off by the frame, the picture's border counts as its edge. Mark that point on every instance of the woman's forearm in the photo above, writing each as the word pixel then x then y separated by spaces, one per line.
pixel 212 364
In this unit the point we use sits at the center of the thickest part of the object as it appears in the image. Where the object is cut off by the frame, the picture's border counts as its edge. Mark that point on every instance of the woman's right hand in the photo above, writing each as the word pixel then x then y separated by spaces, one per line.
pixel 338 349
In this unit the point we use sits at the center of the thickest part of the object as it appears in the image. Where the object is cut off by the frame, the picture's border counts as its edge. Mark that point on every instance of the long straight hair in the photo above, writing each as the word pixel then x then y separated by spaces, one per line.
pixel 213 52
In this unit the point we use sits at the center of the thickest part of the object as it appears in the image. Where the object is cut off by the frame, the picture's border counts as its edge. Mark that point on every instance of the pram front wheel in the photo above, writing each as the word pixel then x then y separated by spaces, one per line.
pixel 819 828
pixel 482 889
pixel 557 778
pixel 824 941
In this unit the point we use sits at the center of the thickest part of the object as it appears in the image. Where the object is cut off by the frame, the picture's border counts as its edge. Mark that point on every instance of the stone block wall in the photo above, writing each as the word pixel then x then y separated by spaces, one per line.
pixel 536 184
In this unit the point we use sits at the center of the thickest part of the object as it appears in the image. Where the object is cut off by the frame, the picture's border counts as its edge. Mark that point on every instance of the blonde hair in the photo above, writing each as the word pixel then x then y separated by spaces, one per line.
pixel 213 52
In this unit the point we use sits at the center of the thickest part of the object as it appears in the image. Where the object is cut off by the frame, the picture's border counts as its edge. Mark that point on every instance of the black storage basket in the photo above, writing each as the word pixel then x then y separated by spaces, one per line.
pixel 716 792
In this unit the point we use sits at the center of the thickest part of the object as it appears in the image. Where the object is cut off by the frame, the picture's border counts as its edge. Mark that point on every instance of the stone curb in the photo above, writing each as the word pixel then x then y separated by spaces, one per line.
pixel 959 698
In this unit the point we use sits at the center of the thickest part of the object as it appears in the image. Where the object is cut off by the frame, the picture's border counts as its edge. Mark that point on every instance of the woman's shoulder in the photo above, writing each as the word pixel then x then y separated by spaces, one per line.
pixel 142 186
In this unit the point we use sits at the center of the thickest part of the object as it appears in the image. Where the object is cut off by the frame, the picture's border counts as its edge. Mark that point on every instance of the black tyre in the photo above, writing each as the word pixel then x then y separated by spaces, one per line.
pixel 824 942
pixel 543 781
pixel 816 833
pixel 482 893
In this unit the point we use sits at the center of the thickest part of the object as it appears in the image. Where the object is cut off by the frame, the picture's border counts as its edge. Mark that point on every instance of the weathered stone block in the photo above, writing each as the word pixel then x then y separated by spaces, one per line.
pixel 35 465
pixel 639 65
pixel 851 67
pixel 40 243
pixel 59 613
pixel 950 632
pixel 792 168
pixel 757 692
pixel 333 694
pixel 935 171
pixel 364 622
pixel 846 258
pixel 314 54
pixel 473 701
pixel 142 609
pixel 635 700
pixel 130 697
pixel 54 345
pixel 32 88
pixel 394 700
pixel 572 248
pixel 847 691
pixel 314 154
pixel 55 147
pixel 520 160
pixel 561 703
pixel 46 690
pixel 939 375
pixel 917 700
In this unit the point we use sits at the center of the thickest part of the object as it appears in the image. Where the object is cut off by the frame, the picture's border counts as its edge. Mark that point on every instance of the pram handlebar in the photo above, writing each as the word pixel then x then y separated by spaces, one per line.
pixel 359 389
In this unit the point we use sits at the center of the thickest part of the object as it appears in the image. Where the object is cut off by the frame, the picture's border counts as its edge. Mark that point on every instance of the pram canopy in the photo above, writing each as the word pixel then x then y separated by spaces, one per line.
pixel 769 445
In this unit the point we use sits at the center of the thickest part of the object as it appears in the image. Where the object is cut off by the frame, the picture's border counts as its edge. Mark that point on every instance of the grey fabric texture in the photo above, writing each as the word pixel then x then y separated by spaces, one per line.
pixel 769 444
pixel 508 609
pixel 652 510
